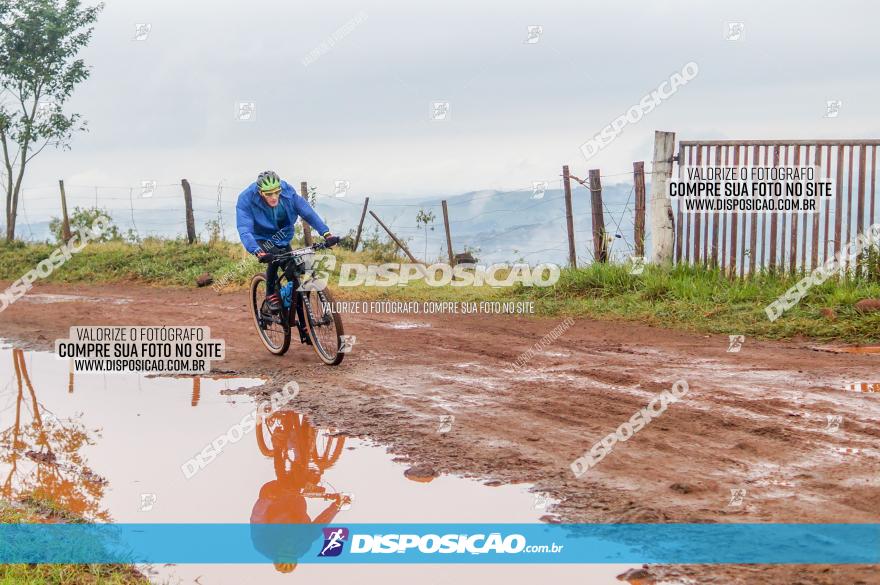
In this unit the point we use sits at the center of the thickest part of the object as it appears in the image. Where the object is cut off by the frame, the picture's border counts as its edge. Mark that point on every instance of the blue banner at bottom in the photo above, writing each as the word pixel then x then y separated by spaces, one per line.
pixel 441 543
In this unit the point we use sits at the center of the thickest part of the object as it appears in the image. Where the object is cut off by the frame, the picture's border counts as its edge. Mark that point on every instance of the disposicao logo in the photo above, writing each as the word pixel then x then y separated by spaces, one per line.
pixel 334 541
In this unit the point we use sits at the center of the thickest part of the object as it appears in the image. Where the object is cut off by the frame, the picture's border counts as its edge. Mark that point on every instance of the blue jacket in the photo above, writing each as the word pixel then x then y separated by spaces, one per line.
pixel 257 222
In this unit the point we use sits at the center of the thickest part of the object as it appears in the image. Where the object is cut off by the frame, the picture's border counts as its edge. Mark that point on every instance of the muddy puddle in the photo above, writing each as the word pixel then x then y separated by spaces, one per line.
pixel 115 448
pixel 857 349
pixel 867 387
pixel 406 325
pixel 45 298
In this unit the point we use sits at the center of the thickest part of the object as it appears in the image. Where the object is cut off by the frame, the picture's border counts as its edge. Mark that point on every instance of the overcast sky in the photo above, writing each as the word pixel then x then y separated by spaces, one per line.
pixel 164 108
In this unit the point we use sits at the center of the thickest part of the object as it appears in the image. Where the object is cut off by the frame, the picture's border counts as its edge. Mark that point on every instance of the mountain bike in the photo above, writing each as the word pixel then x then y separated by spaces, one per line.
pixel 304 306
pixel 290 439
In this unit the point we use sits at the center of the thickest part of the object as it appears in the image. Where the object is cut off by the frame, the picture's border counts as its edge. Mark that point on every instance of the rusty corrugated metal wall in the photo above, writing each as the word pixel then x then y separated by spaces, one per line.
pixel 742 243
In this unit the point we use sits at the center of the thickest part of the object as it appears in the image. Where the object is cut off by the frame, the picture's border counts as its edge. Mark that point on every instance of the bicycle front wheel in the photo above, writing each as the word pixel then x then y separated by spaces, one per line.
pixel 324 325
pixel 274 330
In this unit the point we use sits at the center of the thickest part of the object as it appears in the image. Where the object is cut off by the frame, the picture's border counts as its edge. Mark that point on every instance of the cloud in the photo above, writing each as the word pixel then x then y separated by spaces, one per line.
pixel 164 108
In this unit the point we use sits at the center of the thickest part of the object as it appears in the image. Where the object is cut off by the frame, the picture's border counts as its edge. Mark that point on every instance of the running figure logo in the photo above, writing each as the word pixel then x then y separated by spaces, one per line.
pixel 334 539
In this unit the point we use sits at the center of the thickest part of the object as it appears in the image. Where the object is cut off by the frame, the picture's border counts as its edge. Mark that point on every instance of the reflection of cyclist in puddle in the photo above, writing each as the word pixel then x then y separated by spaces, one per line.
pixel 292 443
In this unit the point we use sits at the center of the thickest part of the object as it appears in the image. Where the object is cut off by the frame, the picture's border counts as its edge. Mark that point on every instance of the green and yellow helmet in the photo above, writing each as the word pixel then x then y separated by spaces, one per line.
pixel 268 181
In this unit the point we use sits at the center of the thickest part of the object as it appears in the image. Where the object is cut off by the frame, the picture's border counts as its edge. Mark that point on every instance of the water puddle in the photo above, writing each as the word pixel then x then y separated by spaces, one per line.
pixel 113 448
pixel 847 451
pixel 44 298
pixel 859 349
pixel 406 325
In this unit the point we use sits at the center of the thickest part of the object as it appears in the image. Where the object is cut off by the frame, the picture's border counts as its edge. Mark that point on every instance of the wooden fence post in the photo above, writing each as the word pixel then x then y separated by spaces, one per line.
pixel 569 219
pixel 307 229
pixel 65 221
pixel 190 221
pixel 639 183
pixel 357 237
pixel 662 235
pixel 600 252
pixel 448 236
pixel 396 240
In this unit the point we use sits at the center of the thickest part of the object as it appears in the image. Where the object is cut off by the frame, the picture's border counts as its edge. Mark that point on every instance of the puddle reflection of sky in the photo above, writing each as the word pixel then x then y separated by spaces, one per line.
pixel 112 447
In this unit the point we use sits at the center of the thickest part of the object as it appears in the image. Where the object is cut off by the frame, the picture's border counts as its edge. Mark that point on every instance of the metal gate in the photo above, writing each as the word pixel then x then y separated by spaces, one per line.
pixel 745 242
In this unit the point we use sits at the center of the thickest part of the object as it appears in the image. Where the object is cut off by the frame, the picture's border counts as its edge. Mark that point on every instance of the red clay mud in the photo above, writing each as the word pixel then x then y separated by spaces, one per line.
pixel 773 419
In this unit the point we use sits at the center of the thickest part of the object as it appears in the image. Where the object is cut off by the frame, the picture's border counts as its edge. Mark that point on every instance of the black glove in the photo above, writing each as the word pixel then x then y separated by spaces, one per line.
pixel 330 240
pixel 264 256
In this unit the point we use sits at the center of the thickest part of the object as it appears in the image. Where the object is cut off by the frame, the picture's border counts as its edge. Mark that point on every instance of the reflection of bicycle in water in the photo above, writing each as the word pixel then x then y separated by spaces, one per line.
pixel 301 454
pixel 296 446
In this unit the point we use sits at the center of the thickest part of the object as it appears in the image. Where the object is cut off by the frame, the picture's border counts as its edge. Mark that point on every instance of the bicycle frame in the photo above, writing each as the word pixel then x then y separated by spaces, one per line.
pixel 318 326
pixel 290 297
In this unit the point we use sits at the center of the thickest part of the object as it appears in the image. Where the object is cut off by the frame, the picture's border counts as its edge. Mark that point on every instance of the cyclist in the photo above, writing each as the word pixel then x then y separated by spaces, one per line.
pixel 265 215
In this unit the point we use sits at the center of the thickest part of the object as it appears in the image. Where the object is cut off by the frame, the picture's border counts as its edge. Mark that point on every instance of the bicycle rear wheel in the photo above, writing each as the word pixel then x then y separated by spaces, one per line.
pixel 274 330
pixel 324 325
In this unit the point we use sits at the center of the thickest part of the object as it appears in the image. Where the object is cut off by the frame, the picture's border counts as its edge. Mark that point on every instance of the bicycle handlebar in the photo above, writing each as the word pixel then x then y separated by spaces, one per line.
pixel 302 251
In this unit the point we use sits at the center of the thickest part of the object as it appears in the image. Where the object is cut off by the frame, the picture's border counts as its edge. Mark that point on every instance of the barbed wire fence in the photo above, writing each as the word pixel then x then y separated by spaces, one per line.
pixel 528 223
pixel 619 239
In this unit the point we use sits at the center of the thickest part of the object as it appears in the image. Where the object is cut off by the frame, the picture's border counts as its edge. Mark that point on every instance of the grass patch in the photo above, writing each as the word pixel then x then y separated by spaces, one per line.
pixel 703 300
pixel 684 297
pixel 153 261
pixel 32 511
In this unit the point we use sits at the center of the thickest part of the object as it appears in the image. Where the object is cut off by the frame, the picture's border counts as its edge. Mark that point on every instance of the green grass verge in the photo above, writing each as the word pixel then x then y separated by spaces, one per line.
pixel 71 574
pixel 698 299
pixel 689 298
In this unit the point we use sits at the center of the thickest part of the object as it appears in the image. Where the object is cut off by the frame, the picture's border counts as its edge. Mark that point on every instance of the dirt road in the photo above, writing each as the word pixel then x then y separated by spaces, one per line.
pixel 773 419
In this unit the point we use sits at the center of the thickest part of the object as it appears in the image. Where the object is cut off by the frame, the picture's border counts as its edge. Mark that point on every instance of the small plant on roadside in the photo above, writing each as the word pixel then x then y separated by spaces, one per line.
pixel 868 264
pixel 379 248
pixel 83 218
pixel 215 231
pixel 425 219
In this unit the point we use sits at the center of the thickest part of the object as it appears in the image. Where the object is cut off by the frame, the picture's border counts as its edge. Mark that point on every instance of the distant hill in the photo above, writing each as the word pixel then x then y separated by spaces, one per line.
pixel 497 226
pixel 500 225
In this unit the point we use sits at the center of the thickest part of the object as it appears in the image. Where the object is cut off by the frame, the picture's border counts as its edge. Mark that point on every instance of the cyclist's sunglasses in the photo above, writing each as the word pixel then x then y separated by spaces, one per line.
pixel 271 194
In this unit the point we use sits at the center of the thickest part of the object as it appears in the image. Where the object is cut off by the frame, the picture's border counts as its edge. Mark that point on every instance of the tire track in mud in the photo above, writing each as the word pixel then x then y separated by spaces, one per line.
pixel 752 420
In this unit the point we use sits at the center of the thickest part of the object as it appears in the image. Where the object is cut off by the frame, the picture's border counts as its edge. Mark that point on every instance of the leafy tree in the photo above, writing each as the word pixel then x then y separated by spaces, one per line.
pixel 82 220
pixel 39 69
